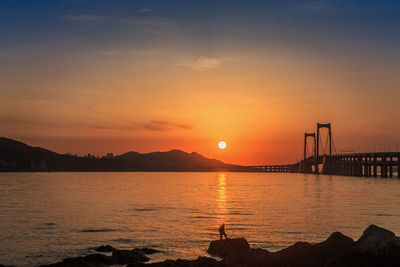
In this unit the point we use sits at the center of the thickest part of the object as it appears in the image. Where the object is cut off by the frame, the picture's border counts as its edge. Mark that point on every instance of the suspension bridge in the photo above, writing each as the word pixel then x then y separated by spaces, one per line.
pixel 322 158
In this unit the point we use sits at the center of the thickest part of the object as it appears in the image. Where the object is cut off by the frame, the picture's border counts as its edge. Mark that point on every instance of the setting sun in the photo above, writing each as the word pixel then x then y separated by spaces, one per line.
pixel 222 145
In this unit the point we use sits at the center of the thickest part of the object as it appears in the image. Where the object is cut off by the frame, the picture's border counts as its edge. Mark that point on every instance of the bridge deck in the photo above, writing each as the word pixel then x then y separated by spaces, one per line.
pixel 376 164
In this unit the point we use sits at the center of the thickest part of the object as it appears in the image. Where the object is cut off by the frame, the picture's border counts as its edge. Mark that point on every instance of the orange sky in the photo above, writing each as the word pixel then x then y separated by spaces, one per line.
pixel 174 88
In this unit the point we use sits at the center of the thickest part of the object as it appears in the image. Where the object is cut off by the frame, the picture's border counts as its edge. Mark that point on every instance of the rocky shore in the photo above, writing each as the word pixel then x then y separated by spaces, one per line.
pixel 376 247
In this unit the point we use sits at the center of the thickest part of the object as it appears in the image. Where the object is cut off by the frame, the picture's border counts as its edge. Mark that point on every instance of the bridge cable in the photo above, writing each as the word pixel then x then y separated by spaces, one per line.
pixel 322 146
pixel 334 147
pixel 326 143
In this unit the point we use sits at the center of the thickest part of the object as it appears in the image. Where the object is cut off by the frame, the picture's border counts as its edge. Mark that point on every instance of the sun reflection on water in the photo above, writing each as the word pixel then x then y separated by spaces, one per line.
pixel 221 199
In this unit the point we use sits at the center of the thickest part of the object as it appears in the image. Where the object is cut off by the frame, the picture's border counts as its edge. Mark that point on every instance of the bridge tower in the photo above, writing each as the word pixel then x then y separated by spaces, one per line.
pixel 305 166
pixel 305 144
pixel 322 125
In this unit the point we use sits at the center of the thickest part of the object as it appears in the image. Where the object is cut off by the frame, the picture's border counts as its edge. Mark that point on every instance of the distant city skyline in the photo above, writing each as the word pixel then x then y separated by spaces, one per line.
pixel 114 76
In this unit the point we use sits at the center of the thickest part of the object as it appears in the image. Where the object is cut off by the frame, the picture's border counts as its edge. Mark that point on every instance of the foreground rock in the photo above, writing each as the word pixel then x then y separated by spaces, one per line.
pixel 118 257
pixel 225 247
pixel 199 262
pixel 106 248
pixel 376 247
pixel 147 251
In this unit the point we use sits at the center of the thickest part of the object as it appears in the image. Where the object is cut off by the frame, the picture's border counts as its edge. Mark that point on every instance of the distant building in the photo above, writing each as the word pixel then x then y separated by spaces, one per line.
pixel 109 156
pixel 40 165
pixel 8 165
pixel 43 165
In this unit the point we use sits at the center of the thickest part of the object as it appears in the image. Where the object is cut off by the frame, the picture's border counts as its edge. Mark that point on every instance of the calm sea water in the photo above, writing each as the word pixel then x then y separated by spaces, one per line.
pixel 45 217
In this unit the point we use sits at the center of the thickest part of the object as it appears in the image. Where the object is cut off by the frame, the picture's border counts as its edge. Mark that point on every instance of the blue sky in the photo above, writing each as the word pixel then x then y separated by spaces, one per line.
pixel 27 23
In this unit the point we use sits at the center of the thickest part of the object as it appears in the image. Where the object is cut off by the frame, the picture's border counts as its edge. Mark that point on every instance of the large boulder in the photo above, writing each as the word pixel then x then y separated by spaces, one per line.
pixel 306 254
pixel 300 254
pixel 106 248
pixel 225 247
pixel 376 247
pixel 377 240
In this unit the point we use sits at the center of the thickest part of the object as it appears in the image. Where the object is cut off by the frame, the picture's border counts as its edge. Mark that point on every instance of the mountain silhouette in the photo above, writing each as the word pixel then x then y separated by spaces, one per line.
pixel 17 156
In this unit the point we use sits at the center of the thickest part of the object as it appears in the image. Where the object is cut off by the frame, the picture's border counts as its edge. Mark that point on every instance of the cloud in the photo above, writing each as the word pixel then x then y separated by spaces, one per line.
pixel 202 63
pixel 40 123
pixel 84 17
pixel 164 125
pixel 109 52
pixel 324 5
pixel 107 93
pixel 139 20
pixel 151 21
pixel 142 52
pixel 145 52
pixel 144 10
pixel 146 126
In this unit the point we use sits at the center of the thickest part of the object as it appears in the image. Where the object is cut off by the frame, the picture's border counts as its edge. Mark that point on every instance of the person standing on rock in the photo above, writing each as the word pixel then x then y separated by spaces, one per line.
pixel 222 231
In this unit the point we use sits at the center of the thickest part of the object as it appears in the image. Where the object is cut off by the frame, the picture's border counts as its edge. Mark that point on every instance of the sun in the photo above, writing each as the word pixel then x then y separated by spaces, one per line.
pixel 222 145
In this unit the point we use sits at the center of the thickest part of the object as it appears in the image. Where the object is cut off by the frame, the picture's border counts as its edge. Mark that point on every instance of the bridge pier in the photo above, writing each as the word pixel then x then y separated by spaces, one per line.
pixel 384 167
pixel 398 166
pixel 375 166
pixel 369 169
pixel 359 167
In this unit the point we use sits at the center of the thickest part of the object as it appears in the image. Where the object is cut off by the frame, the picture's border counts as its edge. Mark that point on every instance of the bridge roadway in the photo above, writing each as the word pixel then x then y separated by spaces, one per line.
pixel 373 164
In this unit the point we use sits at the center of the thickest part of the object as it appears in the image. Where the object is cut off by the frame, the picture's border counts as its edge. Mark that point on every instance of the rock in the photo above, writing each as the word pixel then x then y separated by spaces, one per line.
pixel 335 243
pixel 106 248
pixel 306 254
pixel 299 254
pixel 223 248
pixel 199 262
pixel 376 247
pixel 252 257
pixel 98 259
pixel 128 256
pixel 377 240
pixel 91 260
pixel 147 251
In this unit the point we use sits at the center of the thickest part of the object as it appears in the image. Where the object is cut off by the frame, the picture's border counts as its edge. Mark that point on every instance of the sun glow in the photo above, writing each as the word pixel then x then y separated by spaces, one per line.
pixel 222 145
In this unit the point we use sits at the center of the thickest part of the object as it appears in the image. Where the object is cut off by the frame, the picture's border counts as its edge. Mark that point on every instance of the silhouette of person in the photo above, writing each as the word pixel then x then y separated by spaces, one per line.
pixel 222 231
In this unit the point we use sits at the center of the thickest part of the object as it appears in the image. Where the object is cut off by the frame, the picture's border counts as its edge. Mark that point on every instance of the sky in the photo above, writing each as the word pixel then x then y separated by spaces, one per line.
pixel 103 76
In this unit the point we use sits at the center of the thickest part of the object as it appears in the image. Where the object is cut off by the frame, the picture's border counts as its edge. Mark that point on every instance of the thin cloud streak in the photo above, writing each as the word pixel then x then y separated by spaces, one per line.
pixel 144 52
pixel 202 63
pixel 85 17
pixel 109 52
pixel 144 10
pixel 155 125
pixel 149 125
pixel 140 20
pixel 324 5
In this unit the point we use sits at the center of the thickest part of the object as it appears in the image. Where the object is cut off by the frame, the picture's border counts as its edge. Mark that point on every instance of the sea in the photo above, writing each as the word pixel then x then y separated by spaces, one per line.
pixel 48 216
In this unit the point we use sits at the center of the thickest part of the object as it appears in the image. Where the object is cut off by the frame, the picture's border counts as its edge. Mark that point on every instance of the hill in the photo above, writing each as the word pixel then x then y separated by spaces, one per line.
pixel 17 156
